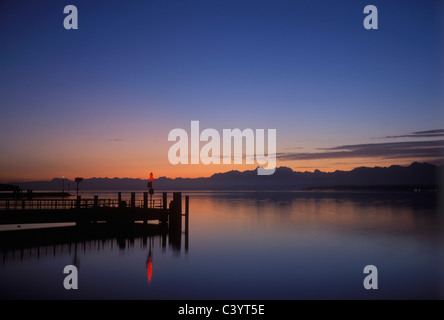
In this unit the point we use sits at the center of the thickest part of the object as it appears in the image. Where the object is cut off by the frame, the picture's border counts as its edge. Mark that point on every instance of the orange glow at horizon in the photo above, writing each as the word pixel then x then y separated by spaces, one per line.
pixel 136 157
pixel 141 170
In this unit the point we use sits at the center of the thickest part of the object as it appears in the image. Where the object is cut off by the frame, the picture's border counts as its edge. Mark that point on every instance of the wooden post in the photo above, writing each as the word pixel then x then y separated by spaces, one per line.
pixel 119 198
pixel 175 221
pixel 164 200
pixel 187 215
pixel 145 200
pixel 78 202
pixel 133 200
pixel 177 199
pixel 96 201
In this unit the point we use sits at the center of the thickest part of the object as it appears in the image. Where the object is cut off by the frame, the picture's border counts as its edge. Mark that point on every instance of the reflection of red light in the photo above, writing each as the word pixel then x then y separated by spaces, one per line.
pixel 149 269
pixel 151 177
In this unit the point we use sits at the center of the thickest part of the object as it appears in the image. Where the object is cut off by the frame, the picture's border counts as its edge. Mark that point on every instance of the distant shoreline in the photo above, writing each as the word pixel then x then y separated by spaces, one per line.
pixel 412 188
pixel 29 195
pixel 415 176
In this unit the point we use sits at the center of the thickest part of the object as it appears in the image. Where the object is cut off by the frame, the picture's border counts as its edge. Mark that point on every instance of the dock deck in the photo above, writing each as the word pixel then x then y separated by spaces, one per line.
pixel 84 211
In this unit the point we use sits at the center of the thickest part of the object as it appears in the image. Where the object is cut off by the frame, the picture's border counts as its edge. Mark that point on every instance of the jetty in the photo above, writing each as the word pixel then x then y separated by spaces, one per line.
pixel 86 211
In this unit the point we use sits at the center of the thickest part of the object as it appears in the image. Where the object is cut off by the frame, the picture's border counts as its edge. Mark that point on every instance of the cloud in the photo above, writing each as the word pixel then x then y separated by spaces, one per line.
pixel 430 131
pixel 389 150
pixel 293 148
pixel 420 134
pixel 116 140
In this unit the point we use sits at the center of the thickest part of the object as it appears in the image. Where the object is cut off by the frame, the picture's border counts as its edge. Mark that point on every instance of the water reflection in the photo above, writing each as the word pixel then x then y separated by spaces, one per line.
pixel 149 265
pixel 395 212
pixel 42 243
pixel 316 246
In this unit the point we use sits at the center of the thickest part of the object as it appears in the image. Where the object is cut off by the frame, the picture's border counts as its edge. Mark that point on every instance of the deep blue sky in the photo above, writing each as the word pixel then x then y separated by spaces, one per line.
pixel 136 69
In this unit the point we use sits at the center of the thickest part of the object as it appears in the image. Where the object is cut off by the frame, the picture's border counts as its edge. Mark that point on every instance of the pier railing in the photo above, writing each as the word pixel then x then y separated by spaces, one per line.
pixel 63 204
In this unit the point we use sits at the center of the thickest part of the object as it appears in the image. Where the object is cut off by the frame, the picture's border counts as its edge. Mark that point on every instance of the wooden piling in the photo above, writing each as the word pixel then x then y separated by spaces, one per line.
pixel 187 215
pixel 96 201
pixel 177 199
pixel 133 200
pixel 78 202
pixel 164 200
pixel 175 221
pixel 145 200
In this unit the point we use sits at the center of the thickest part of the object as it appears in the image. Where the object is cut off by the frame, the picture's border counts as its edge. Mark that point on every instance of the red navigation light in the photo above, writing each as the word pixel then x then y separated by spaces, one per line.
pixel 151 177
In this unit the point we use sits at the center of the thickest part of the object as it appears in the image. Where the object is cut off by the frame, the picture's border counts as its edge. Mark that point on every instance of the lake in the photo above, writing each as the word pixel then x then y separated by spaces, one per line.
pixel 246 245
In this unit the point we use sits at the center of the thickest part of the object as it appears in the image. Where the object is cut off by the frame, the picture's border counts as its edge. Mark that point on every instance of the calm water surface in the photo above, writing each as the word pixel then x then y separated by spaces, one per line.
pixel 250 245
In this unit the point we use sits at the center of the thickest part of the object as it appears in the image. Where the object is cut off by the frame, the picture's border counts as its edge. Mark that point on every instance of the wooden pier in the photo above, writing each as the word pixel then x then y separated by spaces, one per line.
pixel 85 211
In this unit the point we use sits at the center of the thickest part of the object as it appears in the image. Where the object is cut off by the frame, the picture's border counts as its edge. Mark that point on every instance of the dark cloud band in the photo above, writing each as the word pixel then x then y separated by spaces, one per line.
pixel 390 150
pixel 420 134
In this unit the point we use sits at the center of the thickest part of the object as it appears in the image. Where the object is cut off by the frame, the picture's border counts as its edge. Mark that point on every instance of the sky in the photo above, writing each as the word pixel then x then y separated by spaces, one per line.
pixel 100 101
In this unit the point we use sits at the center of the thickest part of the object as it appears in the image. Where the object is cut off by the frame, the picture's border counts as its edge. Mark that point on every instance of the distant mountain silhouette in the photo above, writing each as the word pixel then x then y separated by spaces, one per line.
pixel 416 174
pixel 8 187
